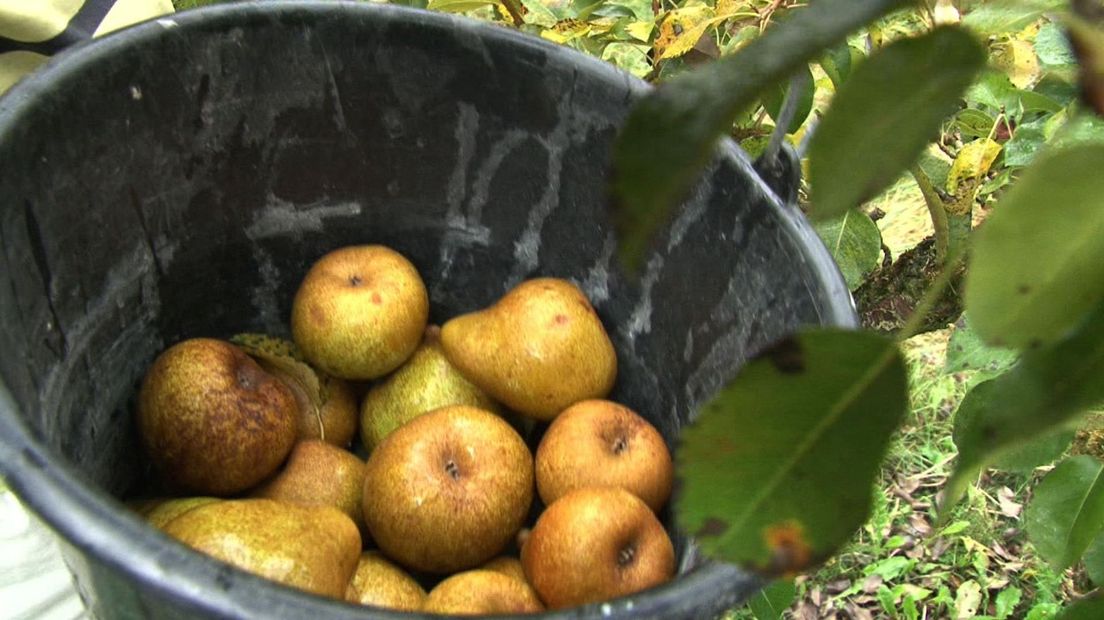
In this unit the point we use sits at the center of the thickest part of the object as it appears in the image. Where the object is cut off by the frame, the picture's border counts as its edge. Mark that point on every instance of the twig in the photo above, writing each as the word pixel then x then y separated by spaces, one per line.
pixel 515 11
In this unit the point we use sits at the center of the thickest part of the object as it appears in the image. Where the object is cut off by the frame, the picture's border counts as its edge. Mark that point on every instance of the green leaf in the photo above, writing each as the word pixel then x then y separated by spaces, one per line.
pixel 1038 263
pixel 1086 609
pixel 671 133
pixel 997 92
pixel 974 123
pixel 893 103
pixel 1026 143
pixel 1067 511
pixel 1081 129
pixel 459 6
pixel 781 441
pixel 855 243
pixel 773 98
pixel 544 14
pixel 771 602
pixel 909 609
pixel 967 352
pixel 887 601
pixel 1004 16
pixel 1094 560
pixel 1052 47
pixel 1006 601
pixel 890 568
pixel 1042 611
pixel 629 56
pixel 1043 393
pixel 836 63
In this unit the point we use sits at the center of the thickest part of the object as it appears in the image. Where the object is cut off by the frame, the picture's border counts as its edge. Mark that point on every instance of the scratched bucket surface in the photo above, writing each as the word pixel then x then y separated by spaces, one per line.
pixel 178 178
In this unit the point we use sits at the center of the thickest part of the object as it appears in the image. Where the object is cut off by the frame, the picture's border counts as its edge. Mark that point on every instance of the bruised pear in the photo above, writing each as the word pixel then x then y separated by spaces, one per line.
pixel 538 350
pixel 313 548
pixel 425 382
pixel 212 420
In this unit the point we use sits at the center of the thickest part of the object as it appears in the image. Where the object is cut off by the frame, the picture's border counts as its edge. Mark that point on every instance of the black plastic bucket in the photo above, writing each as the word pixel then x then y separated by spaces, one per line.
pixel 177 179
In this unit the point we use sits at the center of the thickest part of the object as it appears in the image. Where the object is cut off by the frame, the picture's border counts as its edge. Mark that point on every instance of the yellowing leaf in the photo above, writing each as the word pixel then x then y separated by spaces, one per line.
pixel 1018 61
pixel 972 163
pixel 642 31
pixel 681 29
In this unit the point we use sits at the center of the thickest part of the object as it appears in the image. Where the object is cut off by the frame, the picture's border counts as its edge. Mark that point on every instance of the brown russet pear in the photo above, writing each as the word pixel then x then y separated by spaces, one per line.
pixel 425 382
pixel 360 312
pixel 211 420
pixel 482 592
pixel 317 473
pixel 313 548
pixel 601 443
pixel 381 583
pixel 537 350
pixel 448 490
pixel 595 544
pixel 158 512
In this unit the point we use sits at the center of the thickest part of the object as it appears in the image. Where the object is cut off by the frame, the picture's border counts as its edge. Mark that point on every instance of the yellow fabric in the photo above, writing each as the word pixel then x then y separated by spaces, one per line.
pixel 35 20
pixel 128 12
pixel 15 65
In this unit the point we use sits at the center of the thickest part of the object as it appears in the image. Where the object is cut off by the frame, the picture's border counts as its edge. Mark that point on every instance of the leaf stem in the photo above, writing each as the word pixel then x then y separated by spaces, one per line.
pixel 938 212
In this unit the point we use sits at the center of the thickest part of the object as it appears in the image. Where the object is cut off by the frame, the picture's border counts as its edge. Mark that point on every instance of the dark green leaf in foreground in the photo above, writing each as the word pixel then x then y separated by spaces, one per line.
pixel 1044 392
pixel 671 134
pixel 771 602
pixel 1091 608
pixel 1023 457
pixel 1067 511
pixel 1094 560
pixel 885 114
pixel 966 351
pixel 1037 266
pixel 776 473
pixel 855 243
pixel 806 89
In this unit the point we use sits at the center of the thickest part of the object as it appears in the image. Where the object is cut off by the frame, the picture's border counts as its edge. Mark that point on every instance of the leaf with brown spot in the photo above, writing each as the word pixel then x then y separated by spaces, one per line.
pixel 795 487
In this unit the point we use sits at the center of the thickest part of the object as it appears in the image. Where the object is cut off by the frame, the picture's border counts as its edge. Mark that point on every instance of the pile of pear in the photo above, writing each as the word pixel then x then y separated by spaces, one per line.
pixel 380 460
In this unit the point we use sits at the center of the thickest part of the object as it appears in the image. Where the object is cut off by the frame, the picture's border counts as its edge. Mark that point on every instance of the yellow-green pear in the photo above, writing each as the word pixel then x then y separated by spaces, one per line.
pixel 482 592
pixel 507 565
pixel 317 473
pixel 538 350
pixel 313 548
pixel 360 312
pixel 425 382
pixel 158 512
pixel 212 420
pixel 448 490
pixel 380 583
